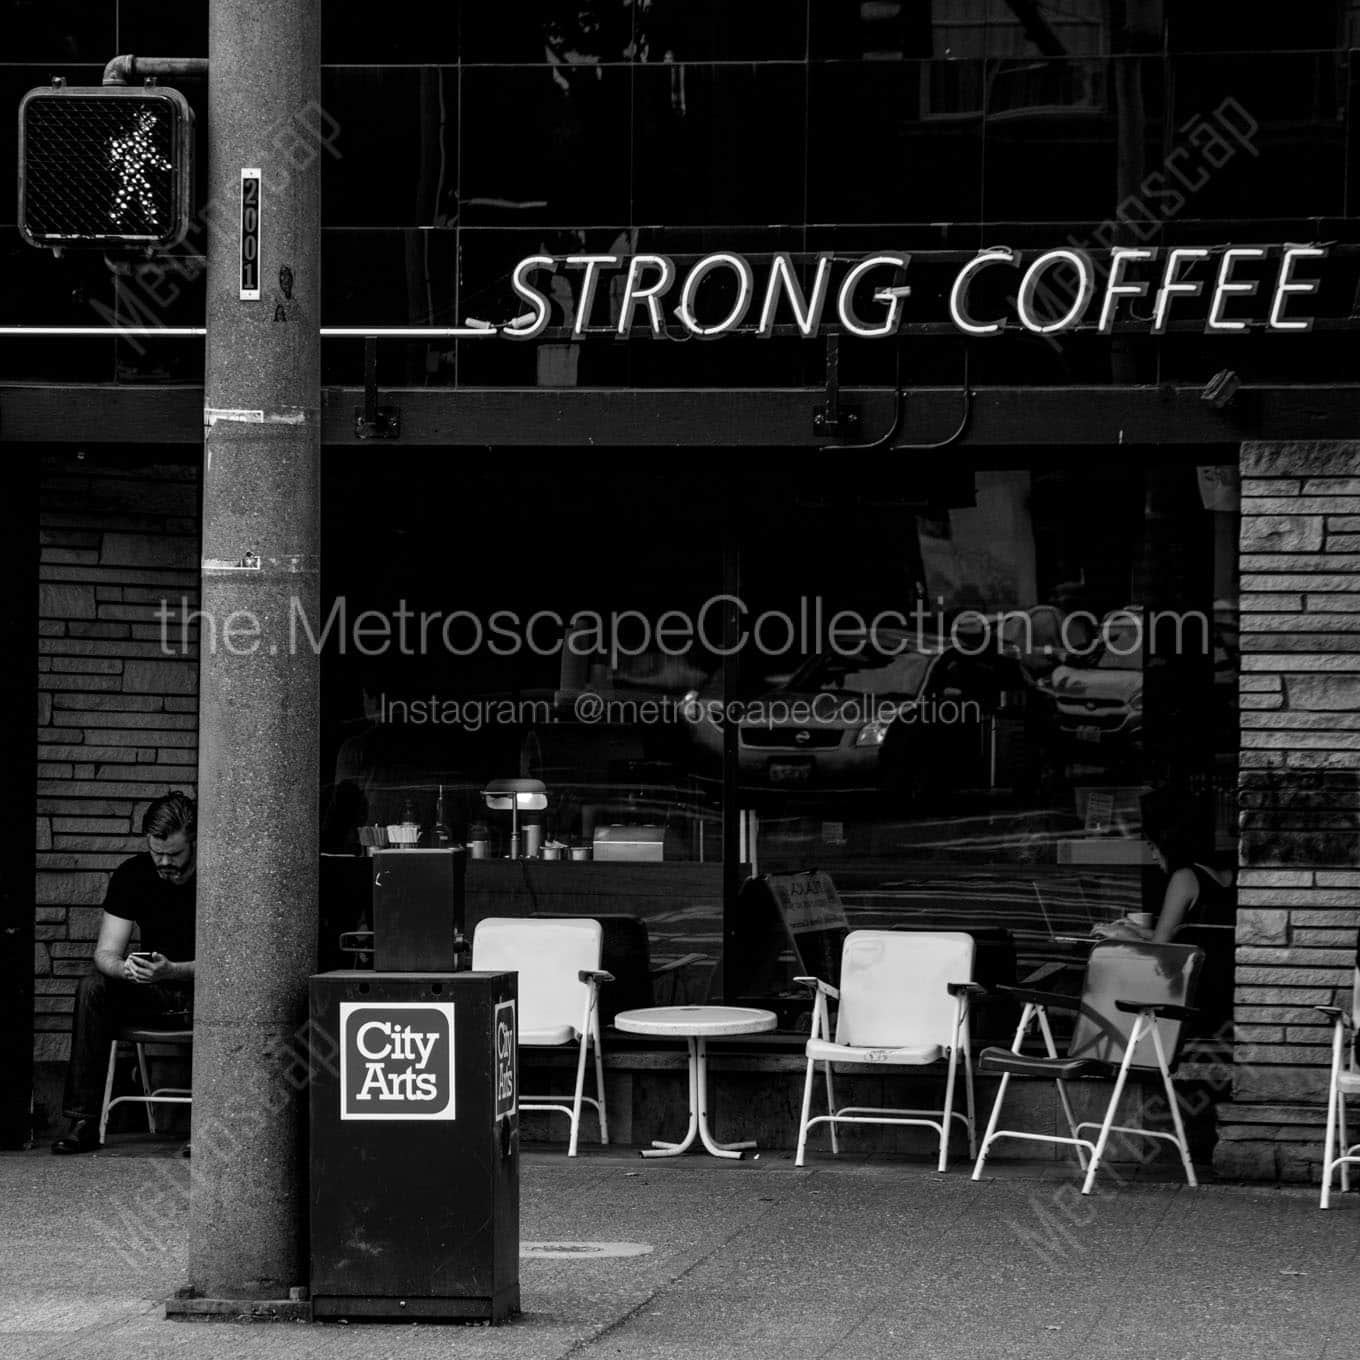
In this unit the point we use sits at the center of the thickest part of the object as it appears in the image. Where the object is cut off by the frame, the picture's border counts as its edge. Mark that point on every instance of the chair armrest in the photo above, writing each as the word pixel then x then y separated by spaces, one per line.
pixel 1159 1008
pixel 1335 1013
pixel 595 975
pixel 817 985
pixel 1055 999
pixel 657 969
pixel 965 989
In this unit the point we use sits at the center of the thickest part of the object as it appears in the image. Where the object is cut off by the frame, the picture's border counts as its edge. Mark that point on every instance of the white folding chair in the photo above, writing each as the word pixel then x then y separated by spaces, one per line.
pixel 903 1003
pixel 1134 999
pixel 139 1036
pixel 558 962
pixel 1345 1081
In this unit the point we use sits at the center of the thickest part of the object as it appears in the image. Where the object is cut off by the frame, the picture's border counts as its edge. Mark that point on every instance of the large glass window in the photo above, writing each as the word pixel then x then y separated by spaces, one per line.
pixel 528 615
pixel 1007 672
pixel 958 687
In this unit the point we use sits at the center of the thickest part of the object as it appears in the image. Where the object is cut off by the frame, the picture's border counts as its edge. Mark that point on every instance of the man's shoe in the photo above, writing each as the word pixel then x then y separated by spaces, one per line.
pixel 82 1136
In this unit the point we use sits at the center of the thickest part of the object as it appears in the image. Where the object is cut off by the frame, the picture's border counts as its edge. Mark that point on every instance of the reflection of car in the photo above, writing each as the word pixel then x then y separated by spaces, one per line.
pixel 649 674
pixel 1101 703
pixel 614 717
pixel 1042 637
pixel 894 716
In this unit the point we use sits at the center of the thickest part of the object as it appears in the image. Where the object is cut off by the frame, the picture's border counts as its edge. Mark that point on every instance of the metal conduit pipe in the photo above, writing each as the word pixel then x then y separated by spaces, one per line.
pixel 129 69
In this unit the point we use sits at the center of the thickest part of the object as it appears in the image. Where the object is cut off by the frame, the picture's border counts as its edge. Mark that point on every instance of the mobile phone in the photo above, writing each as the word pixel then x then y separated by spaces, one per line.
pixel 142 956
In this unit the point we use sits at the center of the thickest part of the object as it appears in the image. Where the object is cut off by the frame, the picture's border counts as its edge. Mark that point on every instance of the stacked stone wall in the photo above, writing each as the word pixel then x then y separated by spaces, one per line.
pixel 117 721
pixel 1299 792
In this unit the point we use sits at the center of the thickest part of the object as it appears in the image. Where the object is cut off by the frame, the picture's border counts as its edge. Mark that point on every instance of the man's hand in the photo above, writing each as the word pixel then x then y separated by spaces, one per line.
pixel 142 967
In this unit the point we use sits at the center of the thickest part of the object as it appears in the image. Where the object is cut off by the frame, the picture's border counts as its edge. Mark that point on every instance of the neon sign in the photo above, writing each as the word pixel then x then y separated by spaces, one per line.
pixel 1051 292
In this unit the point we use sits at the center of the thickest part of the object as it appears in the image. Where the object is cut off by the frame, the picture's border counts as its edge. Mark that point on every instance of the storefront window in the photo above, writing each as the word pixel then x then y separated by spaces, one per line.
pixel 535 615
pixel 1010 669
pixel 956 690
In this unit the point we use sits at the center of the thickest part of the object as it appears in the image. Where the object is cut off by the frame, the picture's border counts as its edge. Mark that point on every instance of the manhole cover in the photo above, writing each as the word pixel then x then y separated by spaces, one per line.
pixel 584 1248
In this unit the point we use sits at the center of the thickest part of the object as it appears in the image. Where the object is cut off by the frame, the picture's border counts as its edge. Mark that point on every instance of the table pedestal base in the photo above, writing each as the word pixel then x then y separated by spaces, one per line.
pixel 698 1113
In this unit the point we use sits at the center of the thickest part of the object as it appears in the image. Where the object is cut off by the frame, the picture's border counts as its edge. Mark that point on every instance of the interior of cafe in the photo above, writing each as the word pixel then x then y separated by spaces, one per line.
pixel 957 690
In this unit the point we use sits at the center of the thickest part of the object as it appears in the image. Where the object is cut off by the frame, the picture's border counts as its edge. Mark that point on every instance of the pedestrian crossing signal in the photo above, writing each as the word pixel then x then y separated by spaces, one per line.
pixel 105 166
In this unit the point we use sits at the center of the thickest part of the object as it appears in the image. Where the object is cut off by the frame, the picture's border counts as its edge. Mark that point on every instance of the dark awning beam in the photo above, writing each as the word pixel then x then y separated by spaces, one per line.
pixel 708 418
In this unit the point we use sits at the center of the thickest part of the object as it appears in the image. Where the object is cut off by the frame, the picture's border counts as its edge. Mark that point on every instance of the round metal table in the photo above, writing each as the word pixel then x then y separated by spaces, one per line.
pixel 696 1025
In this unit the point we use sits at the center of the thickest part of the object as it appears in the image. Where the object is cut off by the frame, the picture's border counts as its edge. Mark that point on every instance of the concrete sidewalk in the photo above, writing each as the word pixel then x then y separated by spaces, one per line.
pixel 849 1257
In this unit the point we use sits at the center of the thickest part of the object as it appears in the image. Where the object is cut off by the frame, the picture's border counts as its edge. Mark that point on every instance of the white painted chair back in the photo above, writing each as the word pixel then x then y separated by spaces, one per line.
pixel 894 987
pixel 548 955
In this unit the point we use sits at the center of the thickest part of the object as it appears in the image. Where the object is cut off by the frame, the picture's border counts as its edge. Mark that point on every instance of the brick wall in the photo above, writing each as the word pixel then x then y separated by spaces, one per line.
pixel 117 716
pixel 1299 788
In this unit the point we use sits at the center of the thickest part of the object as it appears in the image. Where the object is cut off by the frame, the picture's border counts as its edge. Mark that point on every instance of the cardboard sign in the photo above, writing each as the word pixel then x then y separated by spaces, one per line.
pixel 396 1060
pixel 808 902
pixel 782 914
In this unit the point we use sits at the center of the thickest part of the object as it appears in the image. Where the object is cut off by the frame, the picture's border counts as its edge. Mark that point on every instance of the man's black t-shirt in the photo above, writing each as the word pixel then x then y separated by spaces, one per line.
pixel 163 911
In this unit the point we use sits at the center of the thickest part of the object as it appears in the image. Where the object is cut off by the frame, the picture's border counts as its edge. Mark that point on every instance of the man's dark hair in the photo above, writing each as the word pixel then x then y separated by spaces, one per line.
pixel 174 811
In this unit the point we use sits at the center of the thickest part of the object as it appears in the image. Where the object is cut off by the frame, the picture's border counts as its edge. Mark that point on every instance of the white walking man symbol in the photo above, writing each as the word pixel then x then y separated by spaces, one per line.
pixel 132 156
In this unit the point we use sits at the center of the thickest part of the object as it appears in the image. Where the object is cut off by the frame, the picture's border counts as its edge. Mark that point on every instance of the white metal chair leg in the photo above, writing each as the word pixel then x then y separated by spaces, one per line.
pixel 576 1103
pixel 108 1092
pixel 599 1092
pixel 1052 1050
pixel 946 1120
pixel 1333 1099
pixel 1026 1015
pixel 1134 1036
pixel 807 1111
pixel 145 1075
pixel 991 1125
pixel 968 1079
pixel 831 1107
pixel 1343 1145
pixel 1178 1124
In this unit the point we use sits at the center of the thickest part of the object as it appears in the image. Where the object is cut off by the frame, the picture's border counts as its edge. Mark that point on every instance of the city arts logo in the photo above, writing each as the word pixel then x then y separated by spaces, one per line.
pixel 396 1060
pixel 506 1058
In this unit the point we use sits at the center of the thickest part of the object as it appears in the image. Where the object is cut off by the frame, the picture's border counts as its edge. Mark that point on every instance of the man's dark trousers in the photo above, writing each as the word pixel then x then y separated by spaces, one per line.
pixel 102 1005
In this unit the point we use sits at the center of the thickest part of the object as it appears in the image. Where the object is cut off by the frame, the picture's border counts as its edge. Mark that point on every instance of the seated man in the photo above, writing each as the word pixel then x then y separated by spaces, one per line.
pixel 155 892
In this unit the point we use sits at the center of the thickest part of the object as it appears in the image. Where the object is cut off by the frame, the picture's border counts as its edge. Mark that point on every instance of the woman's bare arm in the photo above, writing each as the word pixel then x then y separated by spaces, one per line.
pixel 1181 894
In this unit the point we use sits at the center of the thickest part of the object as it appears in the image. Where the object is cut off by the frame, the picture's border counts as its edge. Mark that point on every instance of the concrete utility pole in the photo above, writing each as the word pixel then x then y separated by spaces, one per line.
pixel 258 711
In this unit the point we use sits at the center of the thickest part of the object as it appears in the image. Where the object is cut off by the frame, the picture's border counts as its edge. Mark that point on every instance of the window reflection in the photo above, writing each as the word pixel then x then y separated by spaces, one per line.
pixel 1064 664
pixel 957 693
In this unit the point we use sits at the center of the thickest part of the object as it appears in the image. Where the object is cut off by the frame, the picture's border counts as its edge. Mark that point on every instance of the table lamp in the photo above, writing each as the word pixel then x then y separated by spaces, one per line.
pixel 514 796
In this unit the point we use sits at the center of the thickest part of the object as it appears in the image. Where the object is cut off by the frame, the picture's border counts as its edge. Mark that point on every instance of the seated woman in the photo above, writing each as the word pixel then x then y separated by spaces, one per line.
pixel 1197 894
pixel 1199 907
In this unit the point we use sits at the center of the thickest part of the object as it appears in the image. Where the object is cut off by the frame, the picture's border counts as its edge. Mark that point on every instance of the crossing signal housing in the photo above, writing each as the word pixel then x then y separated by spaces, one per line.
pixel 105 166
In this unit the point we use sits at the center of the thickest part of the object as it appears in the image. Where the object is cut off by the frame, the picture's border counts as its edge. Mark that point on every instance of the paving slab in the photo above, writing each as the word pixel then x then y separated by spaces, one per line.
pixel 634 1260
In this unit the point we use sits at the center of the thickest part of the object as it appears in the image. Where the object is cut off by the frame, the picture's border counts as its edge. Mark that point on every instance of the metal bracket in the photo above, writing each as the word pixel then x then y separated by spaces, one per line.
pixel 834 419
pixel 372 421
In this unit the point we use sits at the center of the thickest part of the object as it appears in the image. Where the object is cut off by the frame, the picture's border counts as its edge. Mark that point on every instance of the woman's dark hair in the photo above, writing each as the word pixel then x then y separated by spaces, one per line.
pixel 174 811
pixel 1178 845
